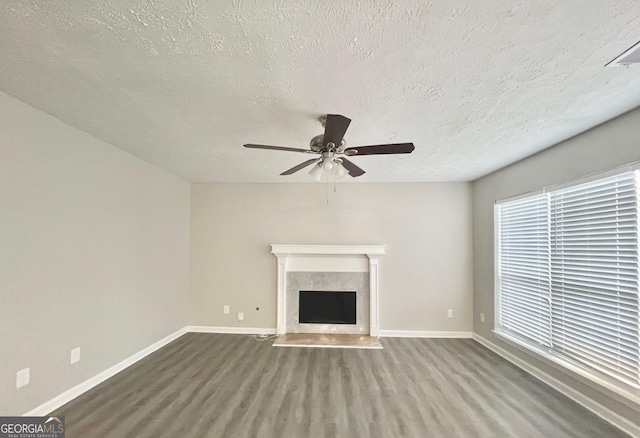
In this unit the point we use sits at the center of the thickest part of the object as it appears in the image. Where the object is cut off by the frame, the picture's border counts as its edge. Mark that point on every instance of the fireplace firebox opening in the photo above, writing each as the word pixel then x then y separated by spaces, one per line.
pixel 327 307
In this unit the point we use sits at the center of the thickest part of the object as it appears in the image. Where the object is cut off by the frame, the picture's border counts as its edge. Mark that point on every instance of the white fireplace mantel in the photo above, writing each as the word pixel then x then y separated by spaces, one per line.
pixel 285 252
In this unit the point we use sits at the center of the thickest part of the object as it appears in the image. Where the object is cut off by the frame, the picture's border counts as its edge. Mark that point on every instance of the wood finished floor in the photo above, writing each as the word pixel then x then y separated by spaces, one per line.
pixel 209 385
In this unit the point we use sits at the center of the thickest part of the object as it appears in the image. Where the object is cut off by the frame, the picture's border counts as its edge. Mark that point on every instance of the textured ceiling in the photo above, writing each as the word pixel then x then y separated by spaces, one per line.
pixel 183 84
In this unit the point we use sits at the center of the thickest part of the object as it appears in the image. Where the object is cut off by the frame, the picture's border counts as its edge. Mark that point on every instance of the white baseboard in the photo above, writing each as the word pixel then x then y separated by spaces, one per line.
pixel 601 411
pixel 422 334
pixel 272 331
pixel 231 330
pixel 85 386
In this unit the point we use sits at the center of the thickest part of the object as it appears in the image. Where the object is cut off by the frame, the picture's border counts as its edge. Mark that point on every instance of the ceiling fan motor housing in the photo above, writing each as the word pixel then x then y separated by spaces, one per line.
pixel 317 144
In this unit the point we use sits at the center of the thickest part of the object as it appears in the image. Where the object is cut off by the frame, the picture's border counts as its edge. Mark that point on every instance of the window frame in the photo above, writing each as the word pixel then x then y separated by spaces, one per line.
pixel 585 374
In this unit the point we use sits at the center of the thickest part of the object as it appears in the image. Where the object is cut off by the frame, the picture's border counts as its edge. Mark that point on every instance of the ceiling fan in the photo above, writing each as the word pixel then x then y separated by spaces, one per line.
pixel 332 150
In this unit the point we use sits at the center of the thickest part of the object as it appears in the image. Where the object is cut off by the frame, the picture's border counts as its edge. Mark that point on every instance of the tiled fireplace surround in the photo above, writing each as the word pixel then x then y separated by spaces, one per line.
pixel 328 268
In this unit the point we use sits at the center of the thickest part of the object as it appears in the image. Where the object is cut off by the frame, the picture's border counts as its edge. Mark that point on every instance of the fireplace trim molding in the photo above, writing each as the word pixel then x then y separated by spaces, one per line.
pixel 285 252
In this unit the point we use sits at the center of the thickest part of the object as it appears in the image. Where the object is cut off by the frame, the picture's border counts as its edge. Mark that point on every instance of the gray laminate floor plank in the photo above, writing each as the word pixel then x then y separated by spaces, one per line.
pixel 209 385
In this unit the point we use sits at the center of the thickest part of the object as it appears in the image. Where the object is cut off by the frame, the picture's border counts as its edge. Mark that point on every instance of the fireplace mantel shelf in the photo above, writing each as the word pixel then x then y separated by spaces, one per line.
pixel 285 252
pixel 368 250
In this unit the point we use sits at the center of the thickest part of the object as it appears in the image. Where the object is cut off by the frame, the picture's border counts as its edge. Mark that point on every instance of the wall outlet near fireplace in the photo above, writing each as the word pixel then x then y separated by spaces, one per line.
pixel 75 355
pixel 482 317
pixel 23 377
pixel 226 309
pixel 240 316
pixel 450 313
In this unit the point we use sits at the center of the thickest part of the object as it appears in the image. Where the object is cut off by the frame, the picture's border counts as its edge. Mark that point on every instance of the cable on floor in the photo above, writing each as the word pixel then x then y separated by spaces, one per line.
pixel 262 338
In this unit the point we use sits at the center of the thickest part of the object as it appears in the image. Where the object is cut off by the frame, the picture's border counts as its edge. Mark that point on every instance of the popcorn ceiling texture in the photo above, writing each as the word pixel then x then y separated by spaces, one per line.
pixel 183 84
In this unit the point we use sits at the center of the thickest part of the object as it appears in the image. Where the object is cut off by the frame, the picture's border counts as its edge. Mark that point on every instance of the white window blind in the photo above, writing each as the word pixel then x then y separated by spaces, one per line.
pixel 594 265
pixel 525 300
pixel 569 275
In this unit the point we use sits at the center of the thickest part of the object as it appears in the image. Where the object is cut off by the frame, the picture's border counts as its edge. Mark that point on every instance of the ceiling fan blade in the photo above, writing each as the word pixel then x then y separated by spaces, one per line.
pixel 300 166
pixel 352 168
pixel 279 148
pixel 394 148
pixel 334 129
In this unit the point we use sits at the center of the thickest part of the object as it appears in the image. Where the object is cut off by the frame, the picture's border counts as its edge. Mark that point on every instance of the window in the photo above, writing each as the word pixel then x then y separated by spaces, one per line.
pixel 568 275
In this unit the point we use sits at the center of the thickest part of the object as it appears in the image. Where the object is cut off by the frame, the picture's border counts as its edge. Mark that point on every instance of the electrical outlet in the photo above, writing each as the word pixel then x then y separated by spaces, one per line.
pixel 450 313
pixel 75 355
pixel 482 318
pixel 23 377
pixel 240 316
pixel 226 309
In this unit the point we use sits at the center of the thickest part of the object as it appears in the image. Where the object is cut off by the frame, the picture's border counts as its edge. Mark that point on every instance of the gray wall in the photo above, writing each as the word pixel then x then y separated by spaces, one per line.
pixel 426 227
pixel 605 147
pixel 94 248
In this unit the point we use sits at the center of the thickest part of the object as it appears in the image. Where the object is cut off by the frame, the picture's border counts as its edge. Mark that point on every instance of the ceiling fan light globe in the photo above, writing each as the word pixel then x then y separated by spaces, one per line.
pixel 341 171
pixel 328 165
pixel 316 172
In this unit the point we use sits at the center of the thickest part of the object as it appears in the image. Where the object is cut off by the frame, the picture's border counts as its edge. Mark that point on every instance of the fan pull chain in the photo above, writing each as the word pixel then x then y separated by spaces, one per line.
pixel 328 190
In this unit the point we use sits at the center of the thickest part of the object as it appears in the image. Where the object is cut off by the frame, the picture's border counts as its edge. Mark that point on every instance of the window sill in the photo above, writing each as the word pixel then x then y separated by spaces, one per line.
pixel 589 377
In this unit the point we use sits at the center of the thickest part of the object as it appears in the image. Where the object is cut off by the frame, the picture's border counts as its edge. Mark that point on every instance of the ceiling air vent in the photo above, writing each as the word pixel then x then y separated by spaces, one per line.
pixel 631 56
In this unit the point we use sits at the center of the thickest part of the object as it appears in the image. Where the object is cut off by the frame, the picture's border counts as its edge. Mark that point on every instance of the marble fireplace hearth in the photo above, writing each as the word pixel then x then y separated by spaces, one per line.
pixel 328 268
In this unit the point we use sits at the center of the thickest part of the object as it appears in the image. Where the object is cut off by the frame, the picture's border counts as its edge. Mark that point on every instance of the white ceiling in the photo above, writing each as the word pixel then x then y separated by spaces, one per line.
pixel 183 84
